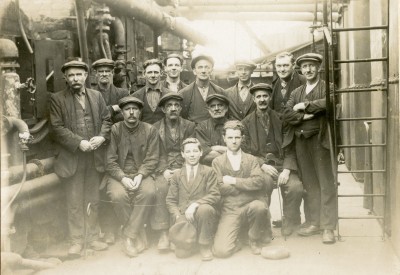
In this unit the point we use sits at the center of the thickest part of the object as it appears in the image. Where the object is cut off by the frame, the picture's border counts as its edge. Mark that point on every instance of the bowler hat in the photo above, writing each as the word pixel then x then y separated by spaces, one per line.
pixel 168 96
pixel 201 57
pixel 220 97
pixel 103 62
pixel 183 234
pixel 173 55
pixel 130 99
pixel 309 57
pixel 246 63
pixel 261 86
pixel 75 64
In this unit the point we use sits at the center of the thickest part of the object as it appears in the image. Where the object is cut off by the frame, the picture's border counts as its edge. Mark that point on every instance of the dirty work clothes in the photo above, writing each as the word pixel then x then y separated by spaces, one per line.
pixel 209 133
pixel 239 109
pixel 111 96
pixel 244 203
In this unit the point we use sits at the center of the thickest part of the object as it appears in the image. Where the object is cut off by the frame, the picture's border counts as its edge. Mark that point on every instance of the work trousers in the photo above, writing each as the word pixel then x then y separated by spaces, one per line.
pixel 147 203
pixel 317 176
pixel 82 193
pixel 254 214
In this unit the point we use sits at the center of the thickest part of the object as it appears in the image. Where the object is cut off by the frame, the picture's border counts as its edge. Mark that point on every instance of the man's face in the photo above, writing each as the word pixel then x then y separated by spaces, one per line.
pixel 233 139
pixel 172 109
pixel 310 70
pixel 217 108
pixel 152 74
pixel 192 153
pixel 284 67
pixel 173 67
pixel 261 98
pixel 244 73
pixel 203 69
pixel 75 78
pixel 131 113
pixel 104 75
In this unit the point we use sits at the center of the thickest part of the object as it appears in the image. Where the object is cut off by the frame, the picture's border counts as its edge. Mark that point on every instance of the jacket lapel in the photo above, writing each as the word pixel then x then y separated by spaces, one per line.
pixel 197 179
pixel 70 108
pixel 183 177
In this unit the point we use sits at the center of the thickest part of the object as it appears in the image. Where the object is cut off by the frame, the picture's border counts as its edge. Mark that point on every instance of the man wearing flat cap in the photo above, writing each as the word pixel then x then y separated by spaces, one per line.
pixel 151 93
pixel 306 115
pixel 104 69
pixel 132 161
pixel 194 107
pixel 264 138
pixel 241 101
pixel 80 124
pixel 173 67
pixel 173 131
pixel 209 132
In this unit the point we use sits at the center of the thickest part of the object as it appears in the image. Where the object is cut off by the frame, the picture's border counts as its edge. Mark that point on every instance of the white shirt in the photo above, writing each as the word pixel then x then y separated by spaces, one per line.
pixel 309 88
pixel 188 169
pixel 235 160
pixel 204 92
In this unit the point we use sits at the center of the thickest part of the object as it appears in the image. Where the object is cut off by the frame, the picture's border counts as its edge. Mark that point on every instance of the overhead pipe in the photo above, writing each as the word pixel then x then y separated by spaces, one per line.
pixel 183 3
pixel 254 8
pixel 80 20
pixel 153 16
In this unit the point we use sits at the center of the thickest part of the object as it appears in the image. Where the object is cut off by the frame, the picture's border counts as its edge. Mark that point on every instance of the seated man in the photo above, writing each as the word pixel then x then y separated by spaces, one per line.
pixel 192 198
pixel 132 158
pixel 242 188
pixel 209 132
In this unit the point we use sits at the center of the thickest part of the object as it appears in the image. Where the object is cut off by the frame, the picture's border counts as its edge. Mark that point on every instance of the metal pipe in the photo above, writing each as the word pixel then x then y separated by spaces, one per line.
pixel 21 28
pixel 156 18
pixel 80 20
pixel 17 123
pixel 254 8
pixel 32 169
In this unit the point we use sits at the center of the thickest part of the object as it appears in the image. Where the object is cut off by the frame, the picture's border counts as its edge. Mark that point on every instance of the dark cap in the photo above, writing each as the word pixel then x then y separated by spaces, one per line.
pixel 75 64
pixel 168 96
pixel 173 55
pixel 246 63
pixel 261 86
pixel 220 97
pixel 152 62
pixel 309 57
pixel 130 99
pixel 183 234
pixel 103 62
pixel 201 57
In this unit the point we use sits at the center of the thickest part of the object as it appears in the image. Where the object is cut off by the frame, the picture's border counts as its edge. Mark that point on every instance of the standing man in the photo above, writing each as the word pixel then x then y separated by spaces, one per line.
pixel 104 69
pixel 194 106
pixel 241 101
pixel 151 93
pixel 132 161
pixel 81 124
pixel 264 140
pixel 192 198
pixel 306 115
pixel 244 203
pixel 173 131
pixel 173 68
pixel 209 132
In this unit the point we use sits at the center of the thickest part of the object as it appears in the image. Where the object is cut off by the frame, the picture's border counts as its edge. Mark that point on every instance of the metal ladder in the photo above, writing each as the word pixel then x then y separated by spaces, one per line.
pixel 329 57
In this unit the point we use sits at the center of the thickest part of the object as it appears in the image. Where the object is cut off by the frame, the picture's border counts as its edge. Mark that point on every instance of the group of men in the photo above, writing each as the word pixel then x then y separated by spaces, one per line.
pixel 195 163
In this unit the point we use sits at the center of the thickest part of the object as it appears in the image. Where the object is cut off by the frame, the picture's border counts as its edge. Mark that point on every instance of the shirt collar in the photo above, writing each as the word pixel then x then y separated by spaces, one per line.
pixel 240 85
pixel 262 114
pixel 156 88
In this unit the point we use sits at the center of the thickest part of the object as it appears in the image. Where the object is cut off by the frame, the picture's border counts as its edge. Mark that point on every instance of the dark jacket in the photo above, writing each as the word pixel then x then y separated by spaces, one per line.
pixel 208 135
pixel 64 127
pixel 235 109
pixel 111 98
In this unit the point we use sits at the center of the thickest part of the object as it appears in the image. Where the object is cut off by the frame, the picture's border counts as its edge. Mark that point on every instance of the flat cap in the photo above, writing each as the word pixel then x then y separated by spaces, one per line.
pixel 173 55
pixel 183 234
pixel 130 99
pixel 246 63
pixel 103 62
pixel 201 57
pixel 261 86
pixel 74 64
pixel 153 61
pixel 220 97
pixel 309 57
pixel 168 96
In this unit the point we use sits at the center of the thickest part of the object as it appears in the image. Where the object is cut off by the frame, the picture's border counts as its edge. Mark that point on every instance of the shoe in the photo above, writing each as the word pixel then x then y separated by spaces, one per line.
pixel 163 242
pixel 129 248
pixel 255 247
pixel 277 223
pixel 328 237
pixel 309 231
pixel 75 249
pixel 98 246
pixel 206 254
pixel 304 225
pixel 109 238
pixel 139 244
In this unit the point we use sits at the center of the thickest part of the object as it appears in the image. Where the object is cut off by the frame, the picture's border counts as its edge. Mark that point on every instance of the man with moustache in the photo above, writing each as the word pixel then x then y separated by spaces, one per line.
pixel 132 161
pixel 241 101
pixel 173 67
pixel 244 203
pixel 151 93
pixel 305 113
pixel 173 131
pixel 264 138
pixel 209 132
pixel 194 106
pixel 80 124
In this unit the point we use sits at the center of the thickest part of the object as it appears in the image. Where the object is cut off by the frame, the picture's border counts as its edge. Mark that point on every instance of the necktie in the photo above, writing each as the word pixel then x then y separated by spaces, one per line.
pixel 283 90
pixel 81 99
pixel 243 93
